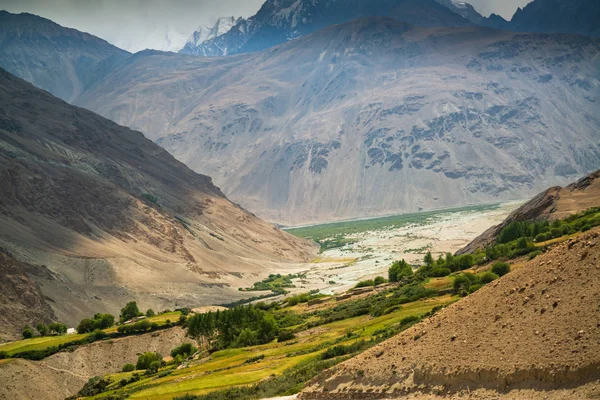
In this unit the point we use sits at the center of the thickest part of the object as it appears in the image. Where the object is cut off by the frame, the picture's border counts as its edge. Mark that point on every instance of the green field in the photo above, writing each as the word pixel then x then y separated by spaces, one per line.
pixel 230 368
pixel 44 342
pixel 320 233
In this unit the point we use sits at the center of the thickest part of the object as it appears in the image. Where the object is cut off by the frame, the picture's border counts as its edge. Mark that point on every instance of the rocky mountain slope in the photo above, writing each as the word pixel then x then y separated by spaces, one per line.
pixel 203 34
pixel 563 16
pixel 279 21
pixel 21 300
pixel 61 60
pixel 554 203
pixel 107 216
pixel 371 117
pixel 533 334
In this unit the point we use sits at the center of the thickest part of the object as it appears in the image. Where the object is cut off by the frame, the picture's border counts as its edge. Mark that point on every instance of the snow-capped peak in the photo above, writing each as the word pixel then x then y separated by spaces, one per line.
pixel 205 33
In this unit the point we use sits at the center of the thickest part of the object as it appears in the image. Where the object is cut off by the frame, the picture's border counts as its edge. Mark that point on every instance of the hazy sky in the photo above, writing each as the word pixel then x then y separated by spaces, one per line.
pixel 138 24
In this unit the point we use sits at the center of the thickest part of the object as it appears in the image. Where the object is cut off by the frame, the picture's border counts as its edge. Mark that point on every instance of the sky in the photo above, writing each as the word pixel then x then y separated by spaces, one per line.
pixel 165 25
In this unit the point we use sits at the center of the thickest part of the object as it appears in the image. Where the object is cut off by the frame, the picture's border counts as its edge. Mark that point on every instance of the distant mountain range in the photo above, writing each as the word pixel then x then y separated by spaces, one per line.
pixel 371 117
pixel 280 20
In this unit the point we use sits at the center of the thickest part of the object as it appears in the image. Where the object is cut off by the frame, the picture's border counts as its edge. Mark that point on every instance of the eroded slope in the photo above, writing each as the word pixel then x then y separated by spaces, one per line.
pixel 535 329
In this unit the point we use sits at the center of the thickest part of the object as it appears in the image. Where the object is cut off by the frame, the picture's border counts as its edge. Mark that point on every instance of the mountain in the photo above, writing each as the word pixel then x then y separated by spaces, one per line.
pixel 163 38
pixel 530 335
pixel 554 203
pixel 464 9
pixel 61 60
pixel 278 21
pixel 101 215
pixel 204 34
pixel 371 117
pixel 562 16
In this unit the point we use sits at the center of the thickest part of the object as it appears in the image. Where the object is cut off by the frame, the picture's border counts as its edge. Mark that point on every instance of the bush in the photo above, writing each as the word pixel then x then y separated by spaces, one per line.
pixel 146 359
pixel 487 277
pixel 411 319
pixel 184 350
pixel 462 283
pixel 380 280
pixel 500 268
pixel 366 283
pixel 150 313
pixel 285 336
pixel 97 335
pixel 27 332
pixel 128 368
pixel 535 254
pixel 94 386
pixel 399 270
pixel 439 272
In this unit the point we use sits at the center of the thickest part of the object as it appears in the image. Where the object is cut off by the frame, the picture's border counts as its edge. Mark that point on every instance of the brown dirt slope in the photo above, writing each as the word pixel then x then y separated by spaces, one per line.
pixel 64 374
pixel 113 217
pixel 533 333
pixel 554 203
pixel 21 300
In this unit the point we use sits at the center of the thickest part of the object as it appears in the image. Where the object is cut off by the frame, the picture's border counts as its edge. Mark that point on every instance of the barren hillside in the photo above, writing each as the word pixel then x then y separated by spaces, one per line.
pixel 105 215
pixel 372 117
pixel 534 333
pixel 554 203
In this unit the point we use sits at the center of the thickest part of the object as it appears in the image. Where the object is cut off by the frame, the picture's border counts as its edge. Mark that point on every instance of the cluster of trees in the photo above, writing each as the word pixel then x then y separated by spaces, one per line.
pixel 237 327
pixel 142 326
pixel 467 283
pixel 380 280
pixel 98 321
pixel 55 328
pixel 130 311
pixel 399 270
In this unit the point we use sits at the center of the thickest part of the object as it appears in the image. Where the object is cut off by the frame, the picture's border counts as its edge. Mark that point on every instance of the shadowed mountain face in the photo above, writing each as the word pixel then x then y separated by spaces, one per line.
pixel 564 16
pixel 61 60
pixel 104 215
pixel 281 20
pixel 371 117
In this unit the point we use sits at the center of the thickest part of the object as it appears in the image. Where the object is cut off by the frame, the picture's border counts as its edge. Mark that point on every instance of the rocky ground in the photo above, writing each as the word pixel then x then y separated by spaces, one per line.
pixel 535 333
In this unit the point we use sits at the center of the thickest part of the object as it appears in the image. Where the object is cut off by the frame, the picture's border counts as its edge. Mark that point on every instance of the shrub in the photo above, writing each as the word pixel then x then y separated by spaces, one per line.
pixel 97 335
pixel 128 368
pixel 439 272
pixel 462 283
pixel 184 350
pixel 3 355
pixel 285 336
pixel 399 270
pixel 535 254
pixel 409 320
pixel 27 332
pixel 150 313
pixel 366 283
pixel 94 386
pixel 146 359
pixel 487 277
pixel 380 280
pixel 500 268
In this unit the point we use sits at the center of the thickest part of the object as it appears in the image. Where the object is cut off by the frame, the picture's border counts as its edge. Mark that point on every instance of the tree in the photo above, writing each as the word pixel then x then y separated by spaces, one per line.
pixel 146 359
pixel 86 325
pixel 500 268
pixel 399 270
pixel 150 313
pixel 42 329
pixel 27 332
pixel 428 260
pixel 130 311
pixel 487 277
pixel 183 350
pixel 267 329
pixel 57 328
pixel 153 368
